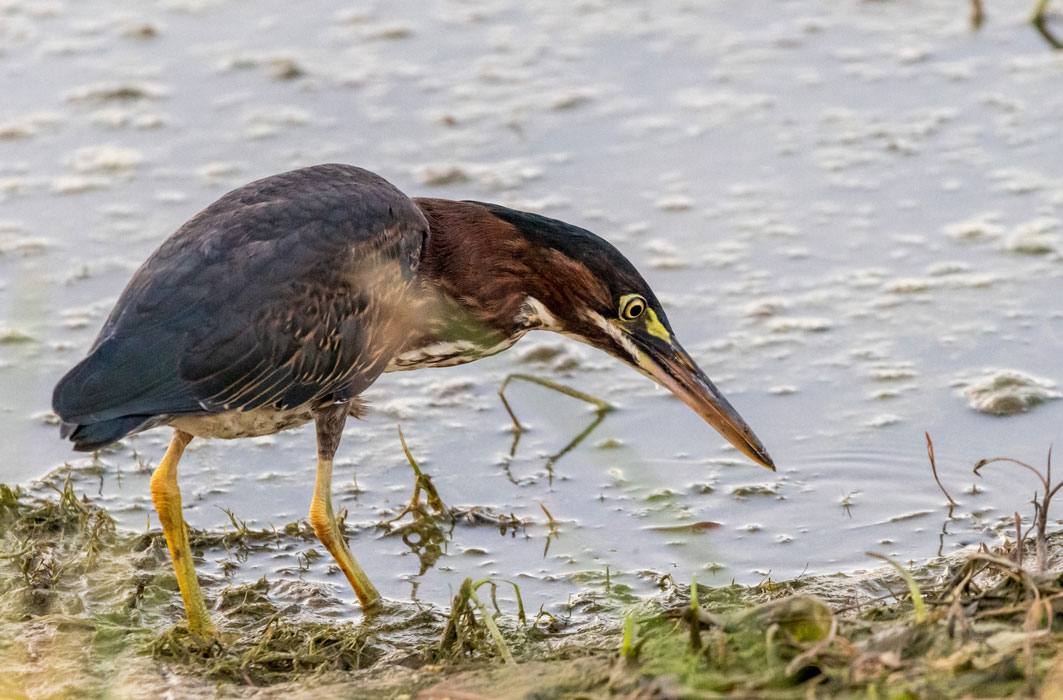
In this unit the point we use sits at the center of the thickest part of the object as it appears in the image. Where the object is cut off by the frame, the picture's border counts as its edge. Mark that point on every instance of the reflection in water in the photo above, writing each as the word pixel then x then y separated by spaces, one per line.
pixel 1039 20
pixel 601 409
pixel 554 530
pixel 1048 35
pixel 423 535
pixel 426 540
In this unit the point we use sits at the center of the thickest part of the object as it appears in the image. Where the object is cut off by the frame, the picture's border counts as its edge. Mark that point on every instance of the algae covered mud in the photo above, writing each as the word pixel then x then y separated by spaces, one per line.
pixel 852 212
pixel 82 606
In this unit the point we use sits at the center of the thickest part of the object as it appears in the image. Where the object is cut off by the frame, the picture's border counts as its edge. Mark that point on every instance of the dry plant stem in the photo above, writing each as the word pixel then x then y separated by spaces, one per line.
pixel 1053 685
pixel 934 469
pixel 1041 506
pixel 421 482
pixel 1031 626
pixel 1018 539
pixel 489 621
pixel 550 518
pixel 1039 11
pixel 552 525
pixel 977 14
pixel 1010 569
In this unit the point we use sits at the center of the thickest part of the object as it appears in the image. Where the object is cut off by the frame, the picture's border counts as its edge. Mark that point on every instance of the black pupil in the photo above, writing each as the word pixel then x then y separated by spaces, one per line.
pixel 634 309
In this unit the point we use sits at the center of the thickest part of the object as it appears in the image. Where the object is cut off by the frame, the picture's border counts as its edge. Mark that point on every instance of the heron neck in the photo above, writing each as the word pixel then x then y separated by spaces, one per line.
pixel 476 263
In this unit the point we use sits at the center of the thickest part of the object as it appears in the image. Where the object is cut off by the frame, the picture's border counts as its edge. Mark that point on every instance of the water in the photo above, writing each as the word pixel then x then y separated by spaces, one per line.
pixel 848 209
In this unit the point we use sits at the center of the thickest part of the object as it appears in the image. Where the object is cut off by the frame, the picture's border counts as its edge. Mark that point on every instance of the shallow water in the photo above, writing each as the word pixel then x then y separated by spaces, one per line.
pixel 851 212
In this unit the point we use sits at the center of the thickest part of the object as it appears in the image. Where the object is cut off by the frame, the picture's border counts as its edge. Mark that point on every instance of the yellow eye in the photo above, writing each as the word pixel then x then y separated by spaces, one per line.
pixel 632 306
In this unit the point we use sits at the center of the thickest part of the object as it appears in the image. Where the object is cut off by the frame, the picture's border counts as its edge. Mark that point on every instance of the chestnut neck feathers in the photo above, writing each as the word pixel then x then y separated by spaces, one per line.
pixel 498 273
pixel 491 259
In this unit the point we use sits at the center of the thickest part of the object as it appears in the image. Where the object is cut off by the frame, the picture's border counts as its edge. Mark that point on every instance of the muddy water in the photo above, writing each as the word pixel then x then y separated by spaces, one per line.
pixel 853 212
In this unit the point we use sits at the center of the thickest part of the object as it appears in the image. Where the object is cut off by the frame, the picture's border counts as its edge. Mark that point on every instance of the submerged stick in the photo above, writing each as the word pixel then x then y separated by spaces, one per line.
pixel 599 405
pixel 601 408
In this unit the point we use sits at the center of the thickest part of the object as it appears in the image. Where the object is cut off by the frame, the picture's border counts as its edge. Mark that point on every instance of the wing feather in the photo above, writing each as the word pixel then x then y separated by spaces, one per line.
pixel 264 297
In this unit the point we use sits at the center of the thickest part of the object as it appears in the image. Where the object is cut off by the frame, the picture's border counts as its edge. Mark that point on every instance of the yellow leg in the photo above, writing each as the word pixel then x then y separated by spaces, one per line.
pixel 329 428
pixel 167 498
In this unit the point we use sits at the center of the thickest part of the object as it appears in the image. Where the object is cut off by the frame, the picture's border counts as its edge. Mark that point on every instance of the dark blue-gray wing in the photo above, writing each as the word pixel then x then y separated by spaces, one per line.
pixel 292 289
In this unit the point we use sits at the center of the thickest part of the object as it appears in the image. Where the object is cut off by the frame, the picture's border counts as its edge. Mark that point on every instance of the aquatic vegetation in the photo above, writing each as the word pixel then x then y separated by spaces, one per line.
pixel 1007 392
pixel 975 637
pixel 101 600
pixel 463 633
pixel 1039 236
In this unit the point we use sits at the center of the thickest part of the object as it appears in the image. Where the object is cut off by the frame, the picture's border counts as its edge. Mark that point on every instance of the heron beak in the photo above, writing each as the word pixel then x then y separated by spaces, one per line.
pixel 671 366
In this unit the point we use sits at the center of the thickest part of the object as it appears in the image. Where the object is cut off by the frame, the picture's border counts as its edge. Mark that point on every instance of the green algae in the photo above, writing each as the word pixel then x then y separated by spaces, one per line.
pixel 87 611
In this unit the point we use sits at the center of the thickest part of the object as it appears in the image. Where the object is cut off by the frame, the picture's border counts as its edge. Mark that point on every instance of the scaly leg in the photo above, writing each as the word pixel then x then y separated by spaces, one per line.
pixel 167 498
pixel 329 429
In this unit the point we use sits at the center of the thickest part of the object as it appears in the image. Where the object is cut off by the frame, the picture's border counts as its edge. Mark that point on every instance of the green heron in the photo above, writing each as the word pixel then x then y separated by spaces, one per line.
pixel 284 300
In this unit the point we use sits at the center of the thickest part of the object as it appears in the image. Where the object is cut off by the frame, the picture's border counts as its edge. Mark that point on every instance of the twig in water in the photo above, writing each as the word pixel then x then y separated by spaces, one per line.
pixel 934 469
pixel 554 532
pixel 421 482
pixel 600 407
pixel 847 503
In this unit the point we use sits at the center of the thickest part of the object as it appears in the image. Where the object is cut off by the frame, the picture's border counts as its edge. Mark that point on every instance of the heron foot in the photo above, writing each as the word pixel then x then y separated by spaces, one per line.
pixel 329 429
pixel 166 495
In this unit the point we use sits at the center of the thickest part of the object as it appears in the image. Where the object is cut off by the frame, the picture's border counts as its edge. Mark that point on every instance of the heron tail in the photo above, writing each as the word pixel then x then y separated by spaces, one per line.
pixel 93 436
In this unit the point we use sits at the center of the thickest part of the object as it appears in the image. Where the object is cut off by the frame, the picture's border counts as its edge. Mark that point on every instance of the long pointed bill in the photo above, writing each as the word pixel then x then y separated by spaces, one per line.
pixel 671 367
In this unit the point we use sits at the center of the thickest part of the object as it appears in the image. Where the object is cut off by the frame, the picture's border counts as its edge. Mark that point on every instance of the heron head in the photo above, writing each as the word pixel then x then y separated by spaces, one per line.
pixel 539 273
